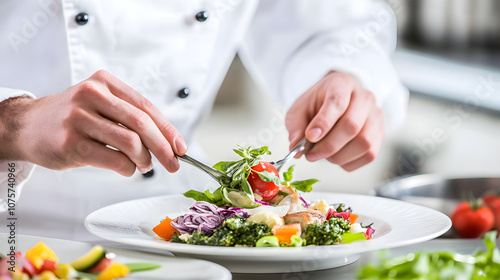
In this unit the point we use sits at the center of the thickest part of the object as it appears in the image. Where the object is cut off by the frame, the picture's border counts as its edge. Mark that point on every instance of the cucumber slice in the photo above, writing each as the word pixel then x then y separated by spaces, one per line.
pixel 90 259
pixel 142 266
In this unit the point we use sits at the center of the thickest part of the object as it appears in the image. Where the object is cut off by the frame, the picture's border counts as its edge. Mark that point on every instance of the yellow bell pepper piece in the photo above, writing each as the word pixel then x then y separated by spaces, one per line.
pixel 115 270
pixel 47 275
pixel 18 275
pixel 65 271
pixel 40 252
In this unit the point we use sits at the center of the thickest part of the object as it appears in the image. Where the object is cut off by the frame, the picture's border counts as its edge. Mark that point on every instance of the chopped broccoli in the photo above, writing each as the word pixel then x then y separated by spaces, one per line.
pixel 327 233
pixel 233 232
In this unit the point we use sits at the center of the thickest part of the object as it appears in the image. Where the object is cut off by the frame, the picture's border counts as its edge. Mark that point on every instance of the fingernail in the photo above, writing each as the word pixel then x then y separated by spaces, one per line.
pixel 173 164
pixel 294 138
pixel 313 157
pixel 180 145
pixel 314 134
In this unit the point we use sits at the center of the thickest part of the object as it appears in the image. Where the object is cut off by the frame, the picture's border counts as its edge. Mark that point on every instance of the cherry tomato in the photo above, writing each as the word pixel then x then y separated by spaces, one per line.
pixel 268 190
pixel 470 221
pixel 493 201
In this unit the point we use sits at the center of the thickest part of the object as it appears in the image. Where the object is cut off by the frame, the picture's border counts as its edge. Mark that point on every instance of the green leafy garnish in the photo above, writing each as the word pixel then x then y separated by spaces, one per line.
pixel 303 186
pixel 238 172
pixel 237 175
pixel 438 265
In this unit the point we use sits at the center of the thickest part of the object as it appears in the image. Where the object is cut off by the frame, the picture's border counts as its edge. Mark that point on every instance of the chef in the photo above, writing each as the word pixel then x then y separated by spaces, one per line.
pixel 104 88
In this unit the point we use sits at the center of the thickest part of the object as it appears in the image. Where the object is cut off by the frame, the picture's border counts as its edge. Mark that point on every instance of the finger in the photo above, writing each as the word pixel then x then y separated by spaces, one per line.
pixel 142 124
pixel 334 104
pixel 125 92
pixel 119 137
pixel 358 163
pixel 348 126
pixel 297 119
pixel 366 144
pixel 97 155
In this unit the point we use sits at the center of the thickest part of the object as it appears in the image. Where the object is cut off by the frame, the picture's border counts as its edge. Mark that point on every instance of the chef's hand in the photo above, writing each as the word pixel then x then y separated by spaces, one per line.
pixel 77 127
pixel 341 118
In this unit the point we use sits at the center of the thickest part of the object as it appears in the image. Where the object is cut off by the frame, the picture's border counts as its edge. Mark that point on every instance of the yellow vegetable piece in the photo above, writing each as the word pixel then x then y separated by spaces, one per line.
pixel 47 275
pixel 268 218
pixel 40 252
pixel 65 271
pixel 114 271
pixel 18 275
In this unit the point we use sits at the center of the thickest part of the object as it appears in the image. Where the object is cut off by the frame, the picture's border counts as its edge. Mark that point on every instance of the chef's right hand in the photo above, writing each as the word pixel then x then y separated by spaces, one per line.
pixel 78 126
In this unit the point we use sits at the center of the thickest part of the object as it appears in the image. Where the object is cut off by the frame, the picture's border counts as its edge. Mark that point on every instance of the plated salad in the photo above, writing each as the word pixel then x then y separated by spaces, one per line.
pixel 256 207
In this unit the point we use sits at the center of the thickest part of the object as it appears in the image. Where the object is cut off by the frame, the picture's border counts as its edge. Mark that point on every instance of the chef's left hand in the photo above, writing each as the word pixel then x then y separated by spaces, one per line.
pixel 341 118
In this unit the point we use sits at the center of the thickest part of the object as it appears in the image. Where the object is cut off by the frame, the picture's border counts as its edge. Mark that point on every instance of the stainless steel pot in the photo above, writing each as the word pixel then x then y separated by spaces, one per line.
pixel 437 192
pixel 454 24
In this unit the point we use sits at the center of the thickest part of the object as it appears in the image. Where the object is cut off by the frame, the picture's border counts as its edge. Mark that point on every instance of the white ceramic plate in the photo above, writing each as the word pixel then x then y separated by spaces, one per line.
pixel 171 267
pixel 396 223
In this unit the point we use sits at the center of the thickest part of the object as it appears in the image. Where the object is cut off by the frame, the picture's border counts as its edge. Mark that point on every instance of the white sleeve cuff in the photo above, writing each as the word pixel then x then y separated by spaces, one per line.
pixel 6 93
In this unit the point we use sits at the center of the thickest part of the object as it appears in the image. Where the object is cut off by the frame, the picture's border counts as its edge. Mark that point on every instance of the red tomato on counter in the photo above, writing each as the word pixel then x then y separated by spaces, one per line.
pixel 472 221
pixel 493 201
pixel 268 190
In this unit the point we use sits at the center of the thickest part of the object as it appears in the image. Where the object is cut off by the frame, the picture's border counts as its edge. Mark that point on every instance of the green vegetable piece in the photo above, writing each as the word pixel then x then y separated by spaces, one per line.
pixel 287 176
pixel 303 186
pixel 198 196
pixel 295 241
pixel 264 150
pixel 349 237
pixel 90 259
pixel 268 241
pixel 142 266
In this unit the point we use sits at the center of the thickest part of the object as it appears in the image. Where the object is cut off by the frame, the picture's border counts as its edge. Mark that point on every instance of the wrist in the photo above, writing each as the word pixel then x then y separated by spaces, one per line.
pixel 12 122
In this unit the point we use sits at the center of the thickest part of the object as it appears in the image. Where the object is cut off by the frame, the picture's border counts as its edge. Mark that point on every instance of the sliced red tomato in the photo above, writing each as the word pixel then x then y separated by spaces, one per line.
pixel 268 190
pixel 472 221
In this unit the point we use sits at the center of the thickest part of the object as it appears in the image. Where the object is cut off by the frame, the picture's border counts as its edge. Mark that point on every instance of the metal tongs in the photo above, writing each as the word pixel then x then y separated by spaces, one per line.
pixel 221 177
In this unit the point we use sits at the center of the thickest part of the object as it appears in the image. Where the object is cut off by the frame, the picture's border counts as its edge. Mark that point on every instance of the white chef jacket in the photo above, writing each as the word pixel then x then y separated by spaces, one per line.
pixel 159 47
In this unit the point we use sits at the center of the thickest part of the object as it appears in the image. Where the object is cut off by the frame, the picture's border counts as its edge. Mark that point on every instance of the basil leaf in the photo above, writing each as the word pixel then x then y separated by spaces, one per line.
pixel 225 198
pixel 237 178
pixel 142 266
pixel 217 195
pixel 223 165
pixel 241 152
pixel 304 186
pixel 209 195
pixel 264 150
pixel 267 176
pixel 198 196
pixel 245 186
pixel 287 176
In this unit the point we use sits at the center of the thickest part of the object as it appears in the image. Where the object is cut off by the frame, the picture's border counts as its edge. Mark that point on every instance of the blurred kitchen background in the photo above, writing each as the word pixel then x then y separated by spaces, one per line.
pixel 448 56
